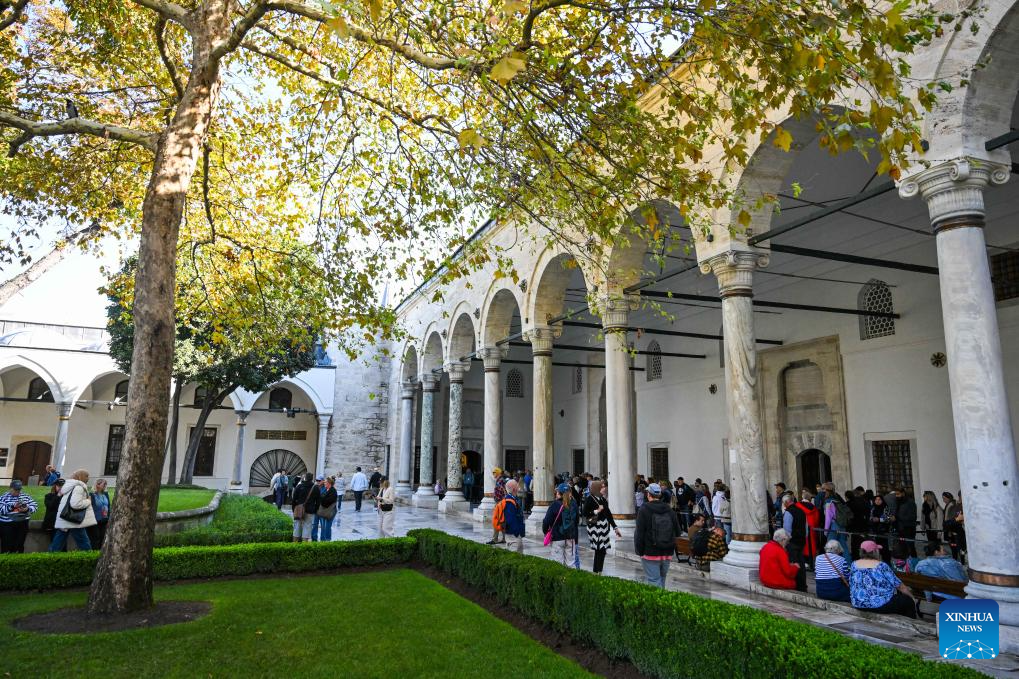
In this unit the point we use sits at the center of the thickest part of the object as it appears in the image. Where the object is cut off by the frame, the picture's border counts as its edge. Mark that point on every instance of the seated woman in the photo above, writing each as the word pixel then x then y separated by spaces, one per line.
pixel 776 571
pixel 831 573
pixel 940 564
pixel 874 587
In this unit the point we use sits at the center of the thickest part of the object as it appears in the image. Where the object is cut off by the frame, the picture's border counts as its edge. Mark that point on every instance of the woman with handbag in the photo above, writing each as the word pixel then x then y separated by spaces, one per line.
pixel 386 502
pixel 831 573
pixel 300 500
pixel 561 525
pixel 323 529
pixel 599 522
pixel 75 514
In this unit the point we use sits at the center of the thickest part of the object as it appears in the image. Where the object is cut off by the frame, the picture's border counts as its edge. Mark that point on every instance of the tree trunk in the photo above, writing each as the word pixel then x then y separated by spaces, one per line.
pixel 123 576
pixel 212 400
pixel 171 437
pixel 14 285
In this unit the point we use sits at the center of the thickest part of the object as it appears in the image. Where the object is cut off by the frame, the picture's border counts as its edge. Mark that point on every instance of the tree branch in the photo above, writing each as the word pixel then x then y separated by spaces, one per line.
pixel 16 11
pixel 363 35
pixel 14 285
pixel 178 86
pixel 169 10
pixel 240 30
pixel 73 126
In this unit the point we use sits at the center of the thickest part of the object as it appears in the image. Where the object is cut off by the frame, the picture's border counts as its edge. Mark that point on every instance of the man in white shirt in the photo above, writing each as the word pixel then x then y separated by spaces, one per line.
pixel 358 484
pixel 341 489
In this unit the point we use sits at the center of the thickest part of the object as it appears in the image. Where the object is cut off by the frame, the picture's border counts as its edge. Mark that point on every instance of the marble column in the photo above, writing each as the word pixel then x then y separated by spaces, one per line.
pixel 734 270
pixel 988 471
pixel 543 444
pixel 425 495
pixel 60 445
pixel 320 455
pixel 406 438
pixel 236 484
pixel 454 499
pixel 619 405
pixel 492 358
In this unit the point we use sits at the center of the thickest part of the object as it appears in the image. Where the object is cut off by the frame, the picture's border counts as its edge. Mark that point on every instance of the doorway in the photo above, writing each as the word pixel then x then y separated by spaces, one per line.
pixel 31 459
pixel 814 467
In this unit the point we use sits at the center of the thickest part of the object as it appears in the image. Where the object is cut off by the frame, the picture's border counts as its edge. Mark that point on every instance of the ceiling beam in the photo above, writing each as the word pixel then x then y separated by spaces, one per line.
pixel 579 347
pixel 775 305
pixel 852 259
pixel 669 333
pixel 557 364
pixel 820 214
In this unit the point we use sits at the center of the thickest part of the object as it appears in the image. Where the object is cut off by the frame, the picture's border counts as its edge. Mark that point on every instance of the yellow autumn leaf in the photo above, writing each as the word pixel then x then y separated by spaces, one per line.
pixel 508 67
pixel 744 218
pixel 783 139
pixel 375 8
pixel 338 26
pixel 470 138
pixel 514 6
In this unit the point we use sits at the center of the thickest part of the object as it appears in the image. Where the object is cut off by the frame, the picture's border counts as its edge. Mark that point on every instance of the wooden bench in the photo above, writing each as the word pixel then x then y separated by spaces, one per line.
pixel 925 583
pixel 684 553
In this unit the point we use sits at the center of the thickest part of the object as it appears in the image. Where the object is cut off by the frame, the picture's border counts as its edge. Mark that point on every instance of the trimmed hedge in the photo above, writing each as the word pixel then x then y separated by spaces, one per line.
pixel 75 569
pixel 240 519
pixel 666 634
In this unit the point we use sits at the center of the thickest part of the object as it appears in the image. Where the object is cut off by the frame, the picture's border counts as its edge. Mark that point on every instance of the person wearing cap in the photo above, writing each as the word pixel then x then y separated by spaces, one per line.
pixel 52 503
pixel 654 539
pixel 873 586
pixel 562 520
pixel 16 507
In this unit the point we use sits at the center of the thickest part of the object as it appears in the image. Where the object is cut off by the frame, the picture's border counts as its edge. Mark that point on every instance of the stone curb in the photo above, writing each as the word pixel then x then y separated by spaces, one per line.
pixel 192 513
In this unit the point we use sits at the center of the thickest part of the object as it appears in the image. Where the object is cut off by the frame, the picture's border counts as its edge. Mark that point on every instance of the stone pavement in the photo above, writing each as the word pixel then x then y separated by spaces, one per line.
pixel 892 631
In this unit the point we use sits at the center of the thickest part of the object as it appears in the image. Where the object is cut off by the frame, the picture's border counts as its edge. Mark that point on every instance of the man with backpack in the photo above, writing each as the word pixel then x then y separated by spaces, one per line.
pixel 654 540
pixel 837 516
pixel 508 518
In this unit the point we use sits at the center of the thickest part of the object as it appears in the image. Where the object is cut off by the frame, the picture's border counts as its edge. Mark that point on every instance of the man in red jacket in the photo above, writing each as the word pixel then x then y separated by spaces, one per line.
pixel 776 571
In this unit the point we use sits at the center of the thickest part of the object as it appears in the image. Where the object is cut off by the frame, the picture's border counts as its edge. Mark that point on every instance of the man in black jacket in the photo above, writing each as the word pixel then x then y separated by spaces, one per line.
pixel 905 521
pixel 654 540
pixel 684 501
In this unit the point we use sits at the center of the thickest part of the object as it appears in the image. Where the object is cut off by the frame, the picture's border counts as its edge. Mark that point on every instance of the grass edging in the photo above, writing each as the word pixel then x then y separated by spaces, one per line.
pixel 239 519
pixel 663 633
pixel 75 569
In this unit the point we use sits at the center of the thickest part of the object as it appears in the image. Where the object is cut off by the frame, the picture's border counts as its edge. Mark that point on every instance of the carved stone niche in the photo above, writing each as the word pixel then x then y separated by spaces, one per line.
pixel 803 411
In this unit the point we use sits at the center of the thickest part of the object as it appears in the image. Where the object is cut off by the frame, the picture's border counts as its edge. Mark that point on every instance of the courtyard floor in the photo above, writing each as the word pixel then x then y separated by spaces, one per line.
pixel 894 632
pixel 376 624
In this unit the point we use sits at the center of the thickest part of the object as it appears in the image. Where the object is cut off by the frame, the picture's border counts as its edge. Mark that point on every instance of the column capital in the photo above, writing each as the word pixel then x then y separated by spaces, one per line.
pixel 456 370
pixel 954 190
pixel 407 389
pixel 615 309
pixel 241 417
pixel 64 410
pixel 429 382
pixel 323 420
pixel 734 270
pixel 541 338
pixel 492 356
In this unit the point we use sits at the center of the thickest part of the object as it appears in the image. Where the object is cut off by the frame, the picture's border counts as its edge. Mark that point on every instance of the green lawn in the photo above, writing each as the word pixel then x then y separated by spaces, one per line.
pixel 392 623
pixel 170 499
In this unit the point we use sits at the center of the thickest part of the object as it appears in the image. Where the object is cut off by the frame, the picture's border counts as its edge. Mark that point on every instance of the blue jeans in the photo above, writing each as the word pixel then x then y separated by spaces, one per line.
pixel 322 530
pixel 655 571
pixel 835 533
pixel 60 539
pixel 727 526
pixel 280 496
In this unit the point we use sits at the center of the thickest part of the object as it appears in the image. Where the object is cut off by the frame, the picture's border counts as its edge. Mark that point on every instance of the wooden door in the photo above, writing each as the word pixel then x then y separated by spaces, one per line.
pixel 31 459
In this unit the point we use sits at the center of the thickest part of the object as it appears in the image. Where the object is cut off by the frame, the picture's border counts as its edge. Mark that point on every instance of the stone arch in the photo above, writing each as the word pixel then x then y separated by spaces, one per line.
pixel 964 119
pixel 295 382
pixel 551 277
pixel 106 373
pixel 410 367
pixel 433 351
pixel 497 314
pixel 462 334
pixel 8 363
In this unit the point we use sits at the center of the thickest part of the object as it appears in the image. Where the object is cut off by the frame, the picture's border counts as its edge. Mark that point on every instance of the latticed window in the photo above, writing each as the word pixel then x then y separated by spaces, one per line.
pixel 38 390
pixel 578 380
pixel 514 384
pixel 120 391
pixel 876 296
pixel 653 365
pixel 893 466
pixel 1005 275
pixel 280 398
pixel 114 447
pixel 660 464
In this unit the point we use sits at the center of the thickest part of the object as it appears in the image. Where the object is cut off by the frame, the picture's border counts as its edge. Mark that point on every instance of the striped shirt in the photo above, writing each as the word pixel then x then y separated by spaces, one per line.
pixel 8 501
pixel 823 569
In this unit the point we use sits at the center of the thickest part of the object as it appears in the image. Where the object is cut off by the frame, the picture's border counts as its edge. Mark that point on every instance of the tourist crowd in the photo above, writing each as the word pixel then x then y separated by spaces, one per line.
pixel 72 510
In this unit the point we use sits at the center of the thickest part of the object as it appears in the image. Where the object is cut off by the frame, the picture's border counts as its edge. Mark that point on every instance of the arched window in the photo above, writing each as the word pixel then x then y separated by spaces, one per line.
pixel 514 384
pixel 653 364
pixel 578 380
pixel 280 398
pixel 38 390
pixel 876 296
pixel 200 392
pixel 120 391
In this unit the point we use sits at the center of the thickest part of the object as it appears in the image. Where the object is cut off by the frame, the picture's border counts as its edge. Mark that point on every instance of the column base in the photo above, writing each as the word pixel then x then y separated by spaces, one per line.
pixel 430 501
pixel 1008 611
pixel 532 525
pixel 425 490
pixel 403 488
pixel 483 512
pixel 741 566
pixel 454 501
pixel 235 488
pixel 624 545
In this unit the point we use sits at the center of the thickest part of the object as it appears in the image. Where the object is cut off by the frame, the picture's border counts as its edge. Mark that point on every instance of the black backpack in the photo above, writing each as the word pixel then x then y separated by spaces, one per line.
pixel 699 544
pixel 662 533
